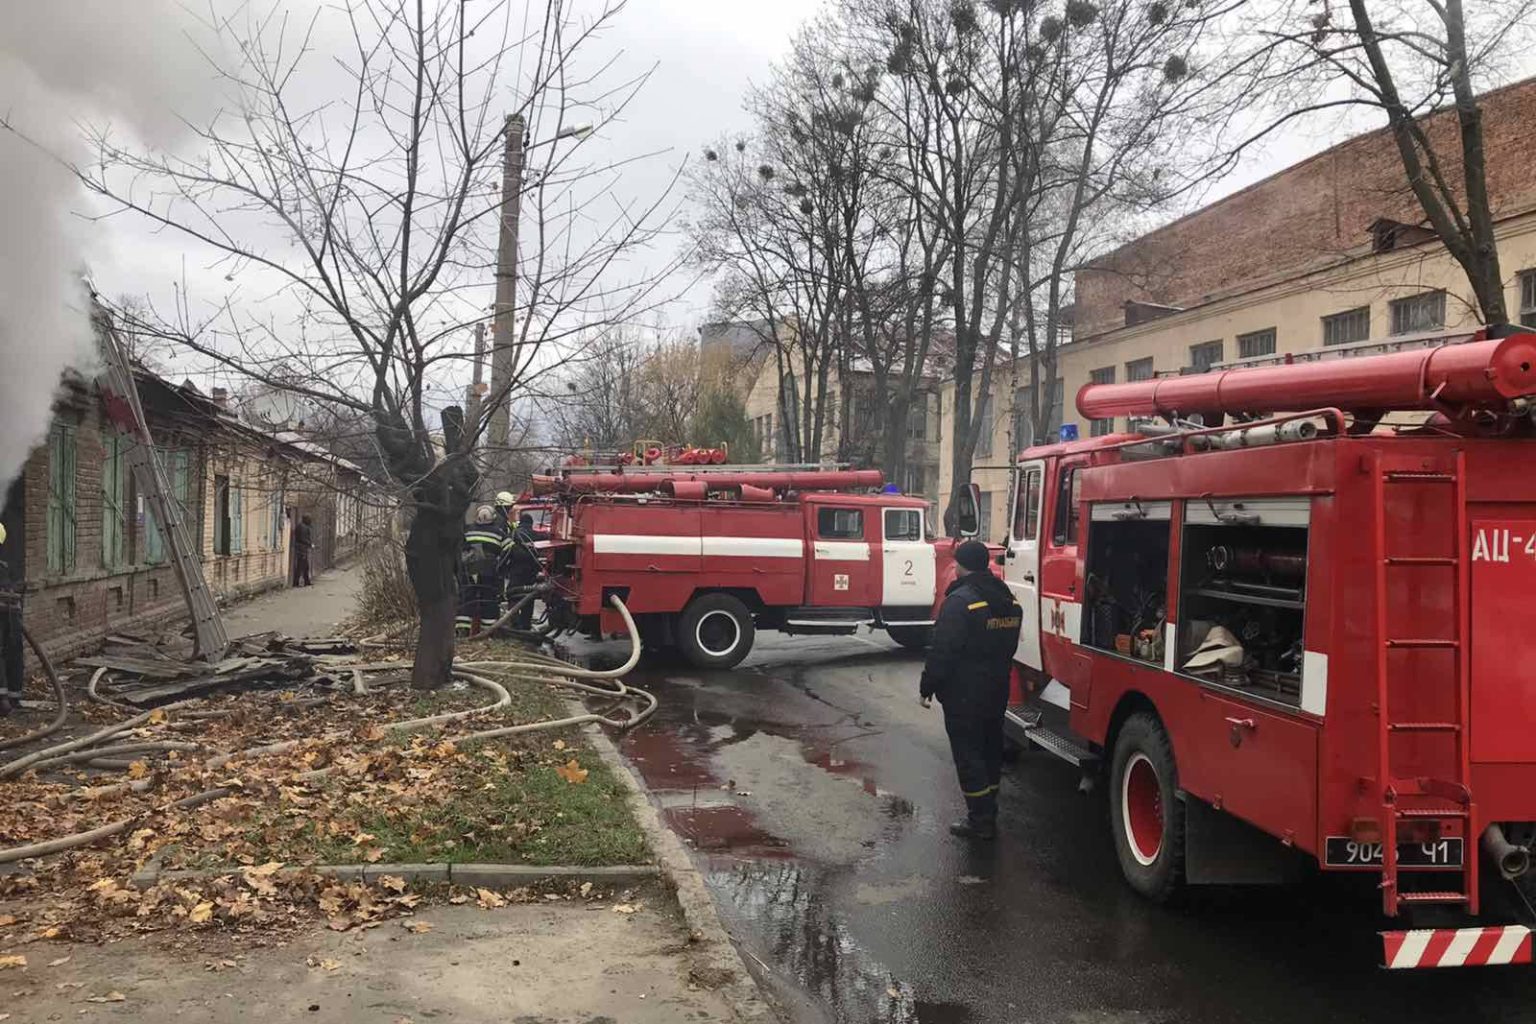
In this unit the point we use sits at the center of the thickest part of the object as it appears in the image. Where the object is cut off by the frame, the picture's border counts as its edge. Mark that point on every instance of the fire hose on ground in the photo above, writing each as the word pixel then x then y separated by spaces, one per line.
pixel 533 666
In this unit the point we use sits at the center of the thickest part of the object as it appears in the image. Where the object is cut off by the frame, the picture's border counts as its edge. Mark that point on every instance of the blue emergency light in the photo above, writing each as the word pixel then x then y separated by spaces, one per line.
pixel 1068 431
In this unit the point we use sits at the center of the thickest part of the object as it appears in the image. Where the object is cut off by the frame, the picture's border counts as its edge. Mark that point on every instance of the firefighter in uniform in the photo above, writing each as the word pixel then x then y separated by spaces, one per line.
pixel 968 664
pixel 523 567
pixel 480 573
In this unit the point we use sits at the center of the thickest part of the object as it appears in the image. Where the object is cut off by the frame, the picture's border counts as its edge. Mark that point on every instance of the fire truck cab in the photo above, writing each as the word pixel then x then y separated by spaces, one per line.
pixel 705 559
pixel 1303 636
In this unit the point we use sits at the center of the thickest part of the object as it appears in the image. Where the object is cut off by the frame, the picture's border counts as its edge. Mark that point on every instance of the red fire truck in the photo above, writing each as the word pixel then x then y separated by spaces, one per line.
pixel 704 557
pixel 1300 635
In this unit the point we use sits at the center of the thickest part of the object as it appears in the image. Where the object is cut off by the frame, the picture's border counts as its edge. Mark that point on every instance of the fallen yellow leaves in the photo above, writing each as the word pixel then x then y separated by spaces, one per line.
pixel 137 770
pixel 394 883
pixel 572 772
pixel 324 964
pixel 12 961
pixel 489 899
pixel 625 908
pixel 201 913
pixel 417 927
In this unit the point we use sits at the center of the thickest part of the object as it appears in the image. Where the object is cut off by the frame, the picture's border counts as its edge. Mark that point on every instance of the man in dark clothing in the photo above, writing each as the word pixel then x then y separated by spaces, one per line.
pixel 522 567
pixel 968 665
pixel 480 579
pixel 303 543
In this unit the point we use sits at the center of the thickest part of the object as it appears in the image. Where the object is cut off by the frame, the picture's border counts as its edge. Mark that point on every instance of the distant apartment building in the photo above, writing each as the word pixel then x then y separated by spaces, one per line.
pixel 1326 254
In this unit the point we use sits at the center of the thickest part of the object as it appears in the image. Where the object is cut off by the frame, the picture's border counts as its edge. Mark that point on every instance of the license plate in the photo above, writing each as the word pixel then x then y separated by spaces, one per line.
pixel 1344 852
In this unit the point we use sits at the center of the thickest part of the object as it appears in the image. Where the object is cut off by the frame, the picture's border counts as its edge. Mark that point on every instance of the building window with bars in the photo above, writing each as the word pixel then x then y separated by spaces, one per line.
pixel 1256 343
pixel 114 501
pixel 1138 369
pixel 60 527
pixel 1422 312
pixel 1206 355
pixel 1348 326
pixel 1528 296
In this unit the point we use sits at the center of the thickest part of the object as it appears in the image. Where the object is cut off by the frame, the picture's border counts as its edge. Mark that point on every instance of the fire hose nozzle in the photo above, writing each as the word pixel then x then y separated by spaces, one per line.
pixel 1513 861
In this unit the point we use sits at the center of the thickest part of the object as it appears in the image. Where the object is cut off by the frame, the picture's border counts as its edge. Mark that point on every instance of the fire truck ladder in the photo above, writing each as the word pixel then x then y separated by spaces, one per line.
pixel 116 381
pixel 1450 798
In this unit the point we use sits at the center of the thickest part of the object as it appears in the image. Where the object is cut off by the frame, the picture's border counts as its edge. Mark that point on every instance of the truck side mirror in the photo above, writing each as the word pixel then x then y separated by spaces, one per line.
pixel 968 510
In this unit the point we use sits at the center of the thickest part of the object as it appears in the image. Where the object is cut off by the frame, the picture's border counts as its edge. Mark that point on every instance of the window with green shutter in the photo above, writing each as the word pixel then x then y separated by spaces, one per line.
pixel 114 501
pixel 61 498
pixel 176 463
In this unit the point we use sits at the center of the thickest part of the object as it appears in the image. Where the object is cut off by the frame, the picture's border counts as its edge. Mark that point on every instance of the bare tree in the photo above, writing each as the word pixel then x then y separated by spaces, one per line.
pixel 1422 66
pixel 358 229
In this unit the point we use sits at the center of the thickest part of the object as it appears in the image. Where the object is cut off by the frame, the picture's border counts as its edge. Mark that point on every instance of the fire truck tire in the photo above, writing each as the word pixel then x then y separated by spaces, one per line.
pixel 715 631
pixel 1146 816
pixel 913 638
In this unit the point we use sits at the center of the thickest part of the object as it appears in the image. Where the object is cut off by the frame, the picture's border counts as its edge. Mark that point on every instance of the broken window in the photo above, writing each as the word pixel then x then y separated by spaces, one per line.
pixel 221 524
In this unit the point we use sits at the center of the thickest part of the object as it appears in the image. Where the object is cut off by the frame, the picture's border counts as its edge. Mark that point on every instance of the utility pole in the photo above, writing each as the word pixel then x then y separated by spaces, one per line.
pixel 475 396
pixel 503 345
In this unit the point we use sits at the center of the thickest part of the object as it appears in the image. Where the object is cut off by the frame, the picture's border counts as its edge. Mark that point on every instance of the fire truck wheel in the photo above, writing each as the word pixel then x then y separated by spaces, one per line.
pixel 715 631
pixel 1145 813
pixel 913 638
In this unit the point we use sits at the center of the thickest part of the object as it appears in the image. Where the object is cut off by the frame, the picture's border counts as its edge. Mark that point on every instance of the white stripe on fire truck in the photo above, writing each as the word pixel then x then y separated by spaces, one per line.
pixel 842 551
pixel 755 547
pixel 654 544
pixel 644 544
pixel 1414 944
pixel 1461 944
pixel 1509 944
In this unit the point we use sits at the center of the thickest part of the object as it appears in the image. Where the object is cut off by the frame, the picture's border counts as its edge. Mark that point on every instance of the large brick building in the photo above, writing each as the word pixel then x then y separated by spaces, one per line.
pixel 1325 254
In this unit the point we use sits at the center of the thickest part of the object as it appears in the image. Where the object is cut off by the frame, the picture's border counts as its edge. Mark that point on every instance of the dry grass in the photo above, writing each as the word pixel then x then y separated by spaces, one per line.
pixel 386 595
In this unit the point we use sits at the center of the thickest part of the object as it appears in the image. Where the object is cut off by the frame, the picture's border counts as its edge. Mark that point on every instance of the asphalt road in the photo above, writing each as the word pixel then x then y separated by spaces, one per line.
pixel 816 794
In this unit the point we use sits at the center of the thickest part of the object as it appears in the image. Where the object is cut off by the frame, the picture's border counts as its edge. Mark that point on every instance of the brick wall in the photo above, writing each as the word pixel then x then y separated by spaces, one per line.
pixel 1308 215
pixel 71 610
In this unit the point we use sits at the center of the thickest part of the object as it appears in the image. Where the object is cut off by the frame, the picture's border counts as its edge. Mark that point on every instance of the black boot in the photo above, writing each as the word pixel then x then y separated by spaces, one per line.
pixel 975 828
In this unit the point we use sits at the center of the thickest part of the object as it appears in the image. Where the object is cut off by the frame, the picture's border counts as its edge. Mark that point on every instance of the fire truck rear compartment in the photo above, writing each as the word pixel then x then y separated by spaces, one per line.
pixel 1250 581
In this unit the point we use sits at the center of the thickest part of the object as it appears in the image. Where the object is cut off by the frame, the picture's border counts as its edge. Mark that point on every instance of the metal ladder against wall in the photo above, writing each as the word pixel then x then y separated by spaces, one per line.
pixel 1450 799
pixel 210 641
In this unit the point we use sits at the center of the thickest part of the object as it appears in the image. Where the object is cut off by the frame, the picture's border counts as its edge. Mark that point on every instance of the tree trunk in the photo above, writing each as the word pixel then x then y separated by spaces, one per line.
pixel 431 561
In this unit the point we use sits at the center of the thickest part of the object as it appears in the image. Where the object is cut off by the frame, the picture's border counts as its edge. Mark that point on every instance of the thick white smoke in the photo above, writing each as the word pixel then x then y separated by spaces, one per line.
pixel 63 65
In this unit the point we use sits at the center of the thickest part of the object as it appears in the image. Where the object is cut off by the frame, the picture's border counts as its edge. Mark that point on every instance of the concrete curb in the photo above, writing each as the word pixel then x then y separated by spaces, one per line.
pixel 719 964
pixel 483 876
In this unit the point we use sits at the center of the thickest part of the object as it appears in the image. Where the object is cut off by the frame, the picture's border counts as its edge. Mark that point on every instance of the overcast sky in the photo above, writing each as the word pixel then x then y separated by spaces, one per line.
pixel 705 54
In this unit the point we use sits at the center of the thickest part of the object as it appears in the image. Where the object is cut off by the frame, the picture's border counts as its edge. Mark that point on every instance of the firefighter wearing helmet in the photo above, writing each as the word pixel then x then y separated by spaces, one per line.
pixel 974 638
pixel 523 566
pixel 480 572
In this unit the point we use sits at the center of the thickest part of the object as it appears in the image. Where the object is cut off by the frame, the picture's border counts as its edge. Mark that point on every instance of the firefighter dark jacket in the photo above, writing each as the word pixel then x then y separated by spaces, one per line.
pixel 974 641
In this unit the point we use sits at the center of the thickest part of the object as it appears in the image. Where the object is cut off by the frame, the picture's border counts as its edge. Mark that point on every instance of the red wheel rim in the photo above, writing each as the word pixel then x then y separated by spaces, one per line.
pixel 1141 806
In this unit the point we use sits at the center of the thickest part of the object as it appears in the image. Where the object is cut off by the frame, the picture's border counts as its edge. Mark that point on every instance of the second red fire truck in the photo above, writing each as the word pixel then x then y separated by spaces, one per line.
pixel 1304 634
pixel 705 557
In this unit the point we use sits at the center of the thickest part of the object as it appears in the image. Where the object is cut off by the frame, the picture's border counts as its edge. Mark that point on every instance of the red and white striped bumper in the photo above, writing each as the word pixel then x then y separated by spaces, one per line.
pixel 1458 947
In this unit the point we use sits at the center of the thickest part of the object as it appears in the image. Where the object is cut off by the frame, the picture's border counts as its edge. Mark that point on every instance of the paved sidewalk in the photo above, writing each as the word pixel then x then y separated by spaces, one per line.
pixel 561 963
pixel 300 611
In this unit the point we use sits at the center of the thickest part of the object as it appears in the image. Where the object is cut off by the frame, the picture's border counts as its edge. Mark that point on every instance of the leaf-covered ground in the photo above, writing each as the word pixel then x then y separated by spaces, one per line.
pixel 353 791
